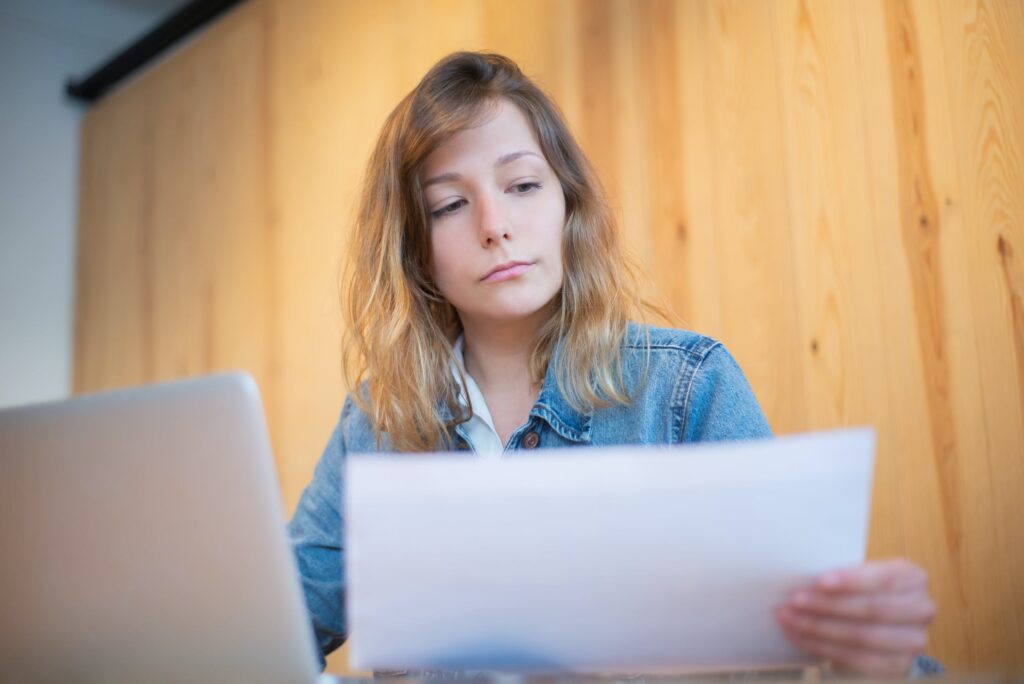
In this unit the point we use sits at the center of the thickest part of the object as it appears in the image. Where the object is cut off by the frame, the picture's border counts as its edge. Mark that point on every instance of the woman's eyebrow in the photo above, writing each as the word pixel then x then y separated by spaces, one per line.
pixel 502 161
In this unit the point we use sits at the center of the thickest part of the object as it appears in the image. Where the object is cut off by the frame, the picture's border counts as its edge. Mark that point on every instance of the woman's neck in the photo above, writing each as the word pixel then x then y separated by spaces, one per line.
pixel 497 355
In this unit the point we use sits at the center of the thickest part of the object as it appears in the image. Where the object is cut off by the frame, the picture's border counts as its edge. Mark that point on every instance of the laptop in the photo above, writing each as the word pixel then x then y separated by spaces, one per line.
pixel 142 539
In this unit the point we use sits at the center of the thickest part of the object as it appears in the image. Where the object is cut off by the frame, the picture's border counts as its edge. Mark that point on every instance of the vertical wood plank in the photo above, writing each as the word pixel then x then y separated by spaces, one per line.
pixel 932 232
pixel 700 232
pixel 661 133
pixel 113 343
pixel 917 478
pixel 755 260
pixel 982 47
pixel 599 130
pixel 840 292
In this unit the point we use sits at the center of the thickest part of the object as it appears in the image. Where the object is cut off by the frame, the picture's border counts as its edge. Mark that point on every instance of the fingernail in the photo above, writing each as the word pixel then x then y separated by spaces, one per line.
pixel 801 598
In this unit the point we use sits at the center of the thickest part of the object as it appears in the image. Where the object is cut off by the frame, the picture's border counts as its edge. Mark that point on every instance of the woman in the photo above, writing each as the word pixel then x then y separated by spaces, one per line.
pixel 490 308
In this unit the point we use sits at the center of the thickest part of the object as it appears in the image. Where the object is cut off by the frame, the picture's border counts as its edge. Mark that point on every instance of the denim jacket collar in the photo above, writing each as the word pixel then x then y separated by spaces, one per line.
pixel 554 409
pixel 551 406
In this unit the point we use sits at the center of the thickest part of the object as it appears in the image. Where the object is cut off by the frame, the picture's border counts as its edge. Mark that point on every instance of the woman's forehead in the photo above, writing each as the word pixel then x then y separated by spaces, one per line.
pixel 502 130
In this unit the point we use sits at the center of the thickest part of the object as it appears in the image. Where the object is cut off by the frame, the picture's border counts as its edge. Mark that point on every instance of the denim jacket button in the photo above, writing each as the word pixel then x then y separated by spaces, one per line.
pixel 530 440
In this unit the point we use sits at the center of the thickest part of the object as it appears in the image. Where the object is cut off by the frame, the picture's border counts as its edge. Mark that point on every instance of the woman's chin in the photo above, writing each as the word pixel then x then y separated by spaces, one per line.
pixel 509 315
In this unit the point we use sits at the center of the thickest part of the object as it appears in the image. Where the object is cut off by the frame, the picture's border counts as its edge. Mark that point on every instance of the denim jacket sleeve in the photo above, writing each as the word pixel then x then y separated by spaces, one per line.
pixel 719 403
pixel 315 532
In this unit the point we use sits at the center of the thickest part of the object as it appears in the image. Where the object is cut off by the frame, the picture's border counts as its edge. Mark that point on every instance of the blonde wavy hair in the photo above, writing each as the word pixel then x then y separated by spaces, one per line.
pixel 399 329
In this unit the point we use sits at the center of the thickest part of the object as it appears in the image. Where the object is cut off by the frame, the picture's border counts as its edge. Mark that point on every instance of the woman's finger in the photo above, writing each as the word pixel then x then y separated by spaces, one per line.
pixel 883 638
pixel 905 608
pixel 848 658
pixel 895 575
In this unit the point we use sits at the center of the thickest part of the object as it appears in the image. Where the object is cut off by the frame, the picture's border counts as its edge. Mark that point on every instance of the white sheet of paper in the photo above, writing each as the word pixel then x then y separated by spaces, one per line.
pixel 623 559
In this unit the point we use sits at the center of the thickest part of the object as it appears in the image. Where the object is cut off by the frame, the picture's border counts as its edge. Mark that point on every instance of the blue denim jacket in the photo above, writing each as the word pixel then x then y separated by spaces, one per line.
pixel 694 391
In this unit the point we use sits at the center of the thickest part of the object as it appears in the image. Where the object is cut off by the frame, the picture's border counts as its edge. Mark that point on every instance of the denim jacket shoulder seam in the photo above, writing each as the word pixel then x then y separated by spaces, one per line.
pixel 662 345
pixel 696 347
pixel 685 406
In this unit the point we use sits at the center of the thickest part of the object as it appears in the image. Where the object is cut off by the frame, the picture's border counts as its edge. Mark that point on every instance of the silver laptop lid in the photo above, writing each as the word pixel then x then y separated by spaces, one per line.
pixel 142 539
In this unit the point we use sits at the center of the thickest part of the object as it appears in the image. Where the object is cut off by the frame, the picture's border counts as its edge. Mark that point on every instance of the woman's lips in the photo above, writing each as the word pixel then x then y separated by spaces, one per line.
pixel 507 273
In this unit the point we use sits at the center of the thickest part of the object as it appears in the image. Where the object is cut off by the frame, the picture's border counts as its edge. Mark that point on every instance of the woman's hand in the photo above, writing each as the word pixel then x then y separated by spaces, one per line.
pixel 872 619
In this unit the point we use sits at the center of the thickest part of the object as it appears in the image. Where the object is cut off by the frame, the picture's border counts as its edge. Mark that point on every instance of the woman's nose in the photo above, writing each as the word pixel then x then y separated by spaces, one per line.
pixel 494 224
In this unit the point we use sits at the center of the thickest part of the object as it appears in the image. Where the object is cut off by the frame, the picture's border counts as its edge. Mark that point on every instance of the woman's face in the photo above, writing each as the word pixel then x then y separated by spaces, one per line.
pixel 497 213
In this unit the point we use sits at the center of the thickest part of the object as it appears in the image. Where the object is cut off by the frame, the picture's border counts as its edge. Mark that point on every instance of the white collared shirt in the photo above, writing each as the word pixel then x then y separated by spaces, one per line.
pixel 480 431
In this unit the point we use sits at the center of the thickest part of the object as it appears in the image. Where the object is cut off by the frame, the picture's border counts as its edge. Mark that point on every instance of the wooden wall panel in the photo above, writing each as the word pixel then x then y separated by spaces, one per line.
pixel 983 50
pixel 835 189
pixel 175 269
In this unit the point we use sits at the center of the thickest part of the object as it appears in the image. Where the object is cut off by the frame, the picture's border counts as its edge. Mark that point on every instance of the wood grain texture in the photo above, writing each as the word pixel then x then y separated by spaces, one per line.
pixel 840 290
pixel 835 189
pixel 985 73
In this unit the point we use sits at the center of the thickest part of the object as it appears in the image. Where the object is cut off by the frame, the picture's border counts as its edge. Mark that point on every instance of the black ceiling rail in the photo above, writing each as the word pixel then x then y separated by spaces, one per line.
pixel 176 26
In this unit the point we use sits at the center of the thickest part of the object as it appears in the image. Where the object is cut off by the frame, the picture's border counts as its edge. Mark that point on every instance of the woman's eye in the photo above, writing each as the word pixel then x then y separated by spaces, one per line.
pixel 447 209
pixel 523 188
pixel 517 189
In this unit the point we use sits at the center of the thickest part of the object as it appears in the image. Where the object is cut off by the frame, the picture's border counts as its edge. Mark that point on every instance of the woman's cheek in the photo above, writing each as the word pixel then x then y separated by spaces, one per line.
pixel 448 278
